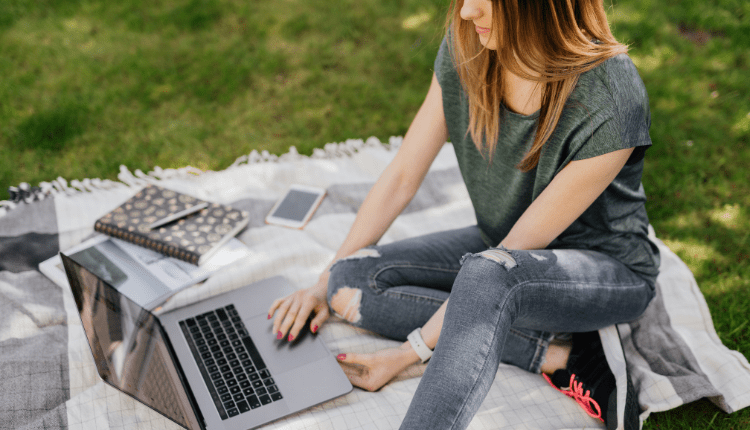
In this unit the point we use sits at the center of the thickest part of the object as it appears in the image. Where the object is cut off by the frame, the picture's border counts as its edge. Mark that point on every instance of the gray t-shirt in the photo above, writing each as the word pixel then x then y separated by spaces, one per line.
pixel 607 111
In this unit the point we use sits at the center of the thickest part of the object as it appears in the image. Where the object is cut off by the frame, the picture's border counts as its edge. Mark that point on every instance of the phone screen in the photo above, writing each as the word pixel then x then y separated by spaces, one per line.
pixel 296 205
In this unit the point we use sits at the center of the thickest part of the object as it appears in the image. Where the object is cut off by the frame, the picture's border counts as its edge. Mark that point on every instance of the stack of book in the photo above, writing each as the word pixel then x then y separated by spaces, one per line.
pixel 158 243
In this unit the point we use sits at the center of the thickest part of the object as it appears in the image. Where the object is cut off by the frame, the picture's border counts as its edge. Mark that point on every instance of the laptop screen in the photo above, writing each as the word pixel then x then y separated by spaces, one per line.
pixel 128 344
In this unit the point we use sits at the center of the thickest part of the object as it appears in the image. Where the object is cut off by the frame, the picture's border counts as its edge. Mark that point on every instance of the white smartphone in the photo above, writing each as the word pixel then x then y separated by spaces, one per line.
pixel 296 207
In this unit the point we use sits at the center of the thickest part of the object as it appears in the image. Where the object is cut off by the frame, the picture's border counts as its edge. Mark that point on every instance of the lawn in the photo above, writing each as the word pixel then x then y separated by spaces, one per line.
pixel 88 85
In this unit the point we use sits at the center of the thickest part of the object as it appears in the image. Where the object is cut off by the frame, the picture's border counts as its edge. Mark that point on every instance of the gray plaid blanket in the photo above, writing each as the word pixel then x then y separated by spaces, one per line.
pixel 47 375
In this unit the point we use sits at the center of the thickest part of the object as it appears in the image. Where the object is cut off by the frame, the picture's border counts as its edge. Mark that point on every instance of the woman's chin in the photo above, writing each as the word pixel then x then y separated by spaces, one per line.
pixel 486 41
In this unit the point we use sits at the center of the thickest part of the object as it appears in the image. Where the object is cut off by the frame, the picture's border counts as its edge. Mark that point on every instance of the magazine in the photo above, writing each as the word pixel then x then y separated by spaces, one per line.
pixel 145 276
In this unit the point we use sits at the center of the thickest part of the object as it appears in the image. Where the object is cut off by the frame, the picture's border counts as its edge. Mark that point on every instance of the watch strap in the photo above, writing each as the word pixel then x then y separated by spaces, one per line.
pixel 420 347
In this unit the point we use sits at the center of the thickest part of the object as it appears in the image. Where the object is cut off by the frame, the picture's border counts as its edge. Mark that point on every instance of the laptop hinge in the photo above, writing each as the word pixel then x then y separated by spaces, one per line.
pixel 183 379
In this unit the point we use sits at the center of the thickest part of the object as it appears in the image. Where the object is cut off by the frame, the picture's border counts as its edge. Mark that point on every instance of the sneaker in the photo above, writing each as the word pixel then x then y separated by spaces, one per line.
pixel 589 381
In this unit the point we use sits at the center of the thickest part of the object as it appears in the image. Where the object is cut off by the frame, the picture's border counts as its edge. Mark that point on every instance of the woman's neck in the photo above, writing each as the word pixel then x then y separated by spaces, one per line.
pixel 521 96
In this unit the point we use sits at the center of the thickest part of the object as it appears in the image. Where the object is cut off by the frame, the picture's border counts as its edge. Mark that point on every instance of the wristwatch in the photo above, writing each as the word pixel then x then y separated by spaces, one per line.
pixel 415 339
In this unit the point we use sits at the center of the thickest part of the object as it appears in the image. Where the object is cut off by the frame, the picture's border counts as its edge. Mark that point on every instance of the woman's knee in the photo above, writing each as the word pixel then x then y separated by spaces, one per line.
pixel 490 264
pixel 494 256
pixel 486 276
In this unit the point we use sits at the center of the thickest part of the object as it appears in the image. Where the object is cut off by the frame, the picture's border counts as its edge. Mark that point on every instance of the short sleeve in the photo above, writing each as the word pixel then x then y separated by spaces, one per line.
pixel 623 117
pixel 443 62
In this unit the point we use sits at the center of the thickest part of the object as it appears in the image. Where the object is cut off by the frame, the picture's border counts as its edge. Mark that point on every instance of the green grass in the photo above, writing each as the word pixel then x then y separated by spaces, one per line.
pixel 202 82
pixel 89 85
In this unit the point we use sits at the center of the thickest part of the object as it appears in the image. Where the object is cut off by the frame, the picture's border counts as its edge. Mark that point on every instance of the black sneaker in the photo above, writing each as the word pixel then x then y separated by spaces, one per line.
pixel 590 382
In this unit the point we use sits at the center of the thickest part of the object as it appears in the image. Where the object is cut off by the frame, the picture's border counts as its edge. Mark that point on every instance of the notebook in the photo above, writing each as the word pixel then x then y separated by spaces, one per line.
pixel 211 365
pixel 174 224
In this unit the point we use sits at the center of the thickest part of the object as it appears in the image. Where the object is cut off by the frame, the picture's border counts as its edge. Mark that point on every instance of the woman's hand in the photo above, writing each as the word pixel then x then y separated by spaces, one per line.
pixel 371 371
pixel 295 309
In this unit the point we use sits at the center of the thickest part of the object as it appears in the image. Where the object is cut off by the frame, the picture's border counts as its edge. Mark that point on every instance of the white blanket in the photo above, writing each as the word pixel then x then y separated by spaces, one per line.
pixel 673 352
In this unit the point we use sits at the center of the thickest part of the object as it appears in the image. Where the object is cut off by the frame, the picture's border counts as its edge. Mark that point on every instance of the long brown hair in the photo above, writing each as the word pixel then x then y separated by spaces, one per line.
pixel 552 38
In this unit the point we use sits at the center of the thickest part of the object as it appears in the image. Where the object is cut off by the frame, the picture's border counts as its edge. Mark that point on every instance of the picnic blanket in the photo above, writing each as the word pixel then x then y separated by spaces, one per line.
pixel 47 375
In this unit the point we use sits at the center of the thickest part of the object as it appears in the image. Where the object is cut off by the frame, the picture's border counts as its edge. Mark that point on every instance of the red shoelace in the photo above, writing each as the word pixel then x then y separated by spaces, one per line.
pixel 575 391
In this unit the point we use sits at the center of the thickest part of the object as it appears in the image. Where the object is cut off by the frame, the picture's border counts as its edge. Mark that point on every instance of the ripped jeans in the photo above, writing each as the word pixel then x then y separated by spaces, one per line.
pixel 505 306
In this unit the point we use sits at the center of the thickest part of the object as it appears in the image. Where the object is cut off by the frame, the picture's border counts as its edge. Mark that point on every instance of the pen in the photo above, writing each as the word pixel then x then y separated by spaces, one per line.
pixel 178 215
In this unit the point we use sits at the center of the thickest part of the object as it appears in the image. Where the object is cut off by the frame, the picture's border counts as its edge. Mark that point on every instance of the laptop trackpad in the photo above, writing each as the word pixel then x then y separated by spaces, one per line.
pixel 281 355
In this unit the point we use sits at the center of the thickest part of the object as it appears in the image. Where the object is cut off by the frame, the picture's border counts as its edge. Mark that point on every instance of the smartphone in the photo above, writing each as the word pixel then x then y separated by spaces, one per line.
pixel 296 207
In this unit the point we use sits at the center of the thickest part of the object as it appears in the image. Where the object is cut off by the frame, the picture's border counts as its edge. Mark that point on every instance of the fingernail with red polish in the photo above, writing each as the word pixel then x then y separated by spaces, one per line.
pixel 290 338
pixel 341 357
pixel 269 316
pixel 315 329
pixel 279 335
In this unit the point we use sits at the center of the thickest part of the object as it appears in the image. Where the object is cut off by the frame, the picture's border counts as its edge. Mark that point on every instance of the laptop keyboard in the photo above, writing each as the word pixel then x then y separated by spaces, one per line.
pixel 234 371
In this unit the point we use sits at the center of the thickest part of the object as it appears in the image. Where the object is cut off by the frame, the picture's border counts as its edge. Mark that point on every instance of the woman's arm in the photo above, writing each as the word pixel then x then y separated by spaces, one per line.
pixel 393 190
pixel 399 182
pixel 567 196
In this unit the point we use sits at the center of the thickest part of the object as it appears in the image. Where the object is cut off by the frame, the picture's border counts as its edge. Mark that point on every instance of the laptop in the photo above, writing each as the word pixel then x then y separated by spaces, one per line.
pixel 211 365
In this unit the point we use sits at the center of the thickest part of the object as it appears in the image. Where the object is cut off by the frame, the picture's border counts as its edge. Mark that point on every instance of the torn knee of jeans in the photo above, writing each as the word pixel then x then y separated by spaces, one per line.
pixel 346 302
pixel 363 253
pixel 499 255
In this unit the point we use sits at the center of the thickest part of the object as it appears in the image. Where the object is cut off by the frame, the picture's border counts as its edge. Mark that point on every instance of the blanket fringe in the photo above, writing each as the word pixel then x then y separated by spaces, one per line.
pixel 26 194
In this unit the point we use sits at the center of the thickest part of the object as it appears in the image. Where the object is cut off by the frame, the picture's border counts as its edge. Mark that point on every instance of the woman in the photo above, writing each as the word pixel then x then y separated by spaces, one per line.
pixel 549 120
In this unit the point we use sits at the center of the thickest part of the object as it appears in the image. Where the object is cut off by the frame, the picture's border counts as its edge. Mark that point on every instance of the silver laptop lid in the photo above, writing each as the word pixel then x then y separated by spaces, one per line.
pixel 130 348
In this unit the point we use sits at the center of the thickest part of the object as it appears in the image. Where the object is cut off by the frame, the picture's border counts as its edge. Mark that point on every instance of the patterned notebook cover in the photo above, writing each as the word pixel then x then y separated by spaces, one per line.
pixel 193 238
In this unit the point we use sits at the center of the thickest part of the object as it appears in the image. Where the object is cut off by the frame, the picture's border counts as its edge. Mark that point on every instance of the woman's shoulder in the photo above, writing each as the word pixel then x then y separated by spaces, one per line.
pixel 613 89
pixel 617 77
pixel 612 93
pixel 444 67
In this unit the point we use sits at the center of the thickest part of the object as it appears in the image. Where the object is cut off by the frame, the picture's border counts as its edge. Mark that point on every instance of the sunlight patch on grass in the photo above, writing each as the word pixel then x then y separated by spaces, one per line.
pixel 200 164
pixel 77 33
pixel 624 14
pixel 694 253
pixel 726 216
pixel 416 20
pixel 685 220
pixel 657 58
pixel 717 285
pixel 77 25
pixel 742 126
pixel 718 65
pixel 647 63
